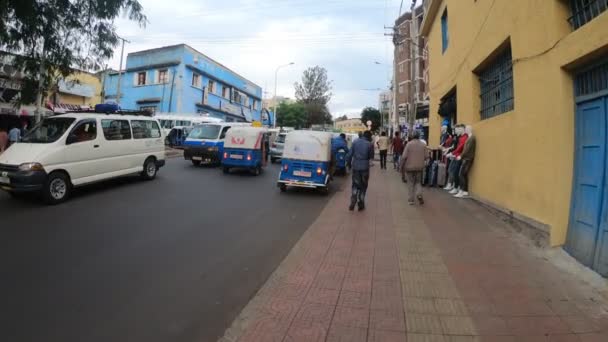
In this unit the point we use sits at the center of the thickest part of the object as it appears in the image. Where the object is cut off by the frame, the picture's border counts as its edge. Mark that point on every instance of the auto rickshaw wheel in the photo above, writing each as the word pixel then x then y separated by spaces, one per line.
pixel 196 162
pixel 257 170
pixel 283 187
pixel 324 190
pixel 273 160
pixel 226 170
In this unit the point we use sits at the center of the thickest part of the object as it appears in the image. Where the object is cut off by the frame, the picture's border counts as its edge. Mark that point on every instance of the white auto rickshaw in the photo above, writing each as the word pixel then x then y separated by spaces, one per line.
pixel 306 161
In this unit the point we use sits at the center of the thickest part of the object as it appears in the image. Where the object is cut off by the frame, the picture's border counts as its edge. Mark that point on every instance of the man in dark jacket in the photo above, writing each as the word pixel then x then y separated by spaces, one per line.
pixel 358 159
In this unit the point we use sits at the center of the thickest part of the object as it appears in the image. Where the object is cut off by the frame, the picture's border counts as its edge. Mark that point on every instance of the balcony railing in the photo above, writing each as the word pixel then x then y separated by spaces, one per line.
pixel 583 11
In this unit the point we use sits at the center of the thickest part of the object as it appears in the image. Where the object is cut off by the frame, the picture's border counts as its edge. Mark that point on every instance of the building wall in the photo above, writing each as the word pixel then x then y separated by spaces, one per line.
pixel 179 95
pixel 350 125
pixel 524 158
pixel 84 79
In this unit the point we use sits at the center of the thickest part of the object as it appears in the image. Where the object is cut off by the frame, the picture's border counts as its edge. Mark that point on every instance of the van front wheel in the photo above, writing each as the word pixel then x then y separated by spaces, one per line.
pixel 150 169
pixel 56 189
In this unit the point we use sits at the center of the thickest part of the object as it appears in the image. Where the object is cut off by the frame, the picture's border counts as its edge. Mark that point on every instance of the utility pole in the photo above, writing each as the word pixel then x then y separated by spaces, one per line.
pixel 122 51
pixel 413 43
pixel 276 75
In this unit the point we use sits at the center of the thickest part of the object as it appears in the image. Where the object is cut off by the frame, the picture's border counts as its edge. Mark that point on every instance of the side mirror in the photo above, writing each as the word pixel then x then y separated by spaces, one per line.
pixel 72 138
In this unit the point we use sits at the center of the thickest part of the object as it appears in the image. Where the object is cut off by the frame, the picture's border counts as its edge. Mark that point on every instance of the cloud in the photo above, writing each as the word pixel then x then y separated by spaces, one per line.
pixel 254 37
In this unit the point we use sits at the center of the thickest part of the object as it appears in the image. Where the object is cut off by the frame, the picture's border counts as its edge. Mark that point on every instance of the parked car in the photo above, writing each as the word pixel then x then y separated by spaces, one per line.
pixel 75 149
pixel 276 149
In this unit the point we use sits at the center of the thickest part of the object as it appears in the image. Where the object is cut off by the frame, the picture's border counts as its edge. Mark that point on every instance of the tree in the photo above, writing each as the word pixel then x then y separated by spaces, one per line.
pixel 52 37
pixel 342 118
pixel 315 92
pixel 373 115
pixel 292 115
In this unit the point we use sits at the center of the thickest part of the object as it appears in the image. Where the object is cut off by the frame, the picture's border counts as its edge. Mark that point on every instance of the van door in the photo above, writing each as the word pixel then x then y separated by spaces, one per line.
pixel 82 151
pixel 118 150
pixel 147 139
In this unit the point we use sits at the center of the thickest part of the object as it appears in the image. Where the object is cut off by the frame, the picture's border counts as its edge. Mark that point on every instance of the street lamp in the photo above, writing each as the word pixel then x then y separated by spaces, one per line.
pixel 276 74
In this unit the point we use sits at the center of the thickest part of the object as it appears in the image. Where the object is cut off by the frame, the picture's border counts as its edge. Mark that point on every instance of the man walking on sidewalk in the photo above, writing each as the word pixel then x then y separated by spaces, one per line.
pixel 412 161
pixel 358 159
pixel 397 149
pixel 383 148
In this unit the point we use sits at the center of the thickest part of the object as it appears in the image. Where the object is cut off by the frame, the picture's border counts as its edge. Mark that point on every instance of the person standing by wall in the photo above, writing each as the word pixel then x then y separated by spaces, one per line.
pixel 14 135
pixel 358 159
pixel 383 148
pixel 413 162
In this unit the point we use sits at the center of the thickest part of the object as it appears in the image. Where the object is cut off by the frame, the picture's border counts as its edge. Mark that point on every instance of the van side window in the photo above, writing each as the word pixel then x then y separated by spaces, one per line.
pixel 116 129
pixel 223 134
pixel 145 129
pixel 85 130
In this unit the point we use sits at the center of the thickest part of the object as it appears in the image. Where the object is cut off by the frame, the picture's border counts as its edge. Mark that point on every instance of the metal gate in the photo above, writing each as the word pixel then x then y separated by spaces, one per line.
pixel 588 230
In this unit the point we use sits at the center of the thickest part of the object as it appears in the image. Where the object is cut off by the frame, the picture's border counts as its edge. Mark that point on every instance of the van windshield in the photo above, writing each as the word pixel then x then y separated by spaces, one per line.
pixel 205 132
pixel 48 130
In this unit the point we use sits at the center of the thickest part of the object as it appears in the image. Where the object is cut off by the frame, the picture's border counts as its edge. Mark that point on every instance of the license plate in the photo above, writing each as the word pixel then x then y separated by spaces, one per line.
pixel 5 180
pixel 302 173
pixel 197 158
pixel 236 156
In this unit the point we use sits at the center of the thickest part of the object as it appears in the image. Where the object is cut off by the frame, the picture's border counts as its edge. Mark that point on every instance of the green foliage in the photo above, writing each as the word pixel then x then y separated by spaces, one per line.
pixel 314 92
pixel 62 35
pixel 373 115
pixel 292 115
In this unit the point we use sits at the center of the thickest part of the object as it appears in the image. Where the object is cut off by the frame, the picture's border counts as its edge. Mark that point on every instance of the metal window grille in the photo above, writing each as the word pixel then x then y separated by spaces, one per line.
pixel 583 11
pixel 592 81
pixel 496 83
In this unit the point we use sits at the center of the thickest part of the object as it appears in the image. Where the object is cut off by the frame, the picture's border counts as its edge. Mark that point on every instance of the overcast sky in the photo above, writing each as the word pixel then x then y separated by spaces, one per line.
pixel 253 37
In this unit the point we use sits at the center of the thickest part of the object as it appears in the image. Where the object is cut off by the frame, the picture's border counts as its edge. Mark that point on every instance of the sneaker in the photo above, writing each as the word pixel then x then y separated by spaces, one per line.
pixel 421 200
pixel 411 202
pixel 462 194
pixel 351 207
pixel 449 187
pixel 454 191
pixel 361 206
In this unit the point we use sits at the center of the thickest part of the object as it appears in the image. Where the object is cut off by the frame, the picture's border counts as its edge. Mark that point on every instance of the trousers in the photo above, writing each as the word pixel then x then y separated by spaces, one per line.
pixel 414 185
pixel 463 175
pixel 383 154
pixel 454 172
pixel 360 181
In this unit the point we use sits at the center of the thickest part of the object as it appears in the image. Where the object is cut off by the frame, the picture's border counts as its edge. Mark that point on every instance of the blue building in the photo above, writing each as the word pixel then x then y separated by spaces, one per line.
pixel 179 79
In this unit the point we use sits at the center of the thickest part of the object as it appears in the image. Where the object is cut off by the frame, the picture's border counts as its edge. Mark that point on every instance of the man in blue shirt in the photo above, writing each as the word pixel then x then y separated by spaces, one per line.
pixel 14 135
pixel 358 159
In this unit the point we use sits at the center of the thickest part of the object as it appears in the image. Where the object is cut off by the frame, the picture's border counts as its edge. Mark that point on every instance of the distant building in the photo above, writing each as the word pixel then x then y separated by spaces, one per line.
pixel 350 125
pixel 270 103
pixel 385 106
pixel 180 79
pixel 410 87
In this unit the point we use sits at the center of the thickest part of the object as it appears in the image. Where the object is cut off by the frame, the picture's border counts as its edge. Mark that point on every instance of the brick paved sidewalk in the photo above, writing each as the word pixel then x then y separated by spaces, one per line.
pixel 444 272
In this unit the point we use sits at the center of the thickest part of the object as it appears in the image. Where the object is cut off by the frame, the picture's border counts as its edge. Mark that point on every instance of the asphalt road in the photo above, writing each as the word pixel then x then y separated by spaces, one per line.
pixel 174 259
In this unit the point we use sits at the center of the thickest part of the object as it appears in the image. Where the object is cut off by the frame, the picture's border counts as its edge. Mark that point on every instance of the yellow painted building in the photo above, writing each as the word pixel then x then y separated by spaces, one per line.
pixel 525 157
pixel 350 125
pixel 80 88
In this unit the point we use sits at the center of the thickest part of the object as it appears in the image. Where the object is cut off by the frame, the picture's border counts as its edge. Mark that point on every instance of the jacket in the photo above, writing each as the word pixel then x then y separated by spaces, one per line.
pixel 461 141
pixel 338 143
pixel 414 156
pixel 361 152
pixel 468 152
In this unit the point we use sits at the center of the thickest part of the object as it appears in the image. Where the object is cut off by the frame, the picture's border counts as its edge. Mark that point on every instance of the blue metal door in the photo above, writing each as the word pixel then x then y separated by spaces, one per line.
pixel 589 178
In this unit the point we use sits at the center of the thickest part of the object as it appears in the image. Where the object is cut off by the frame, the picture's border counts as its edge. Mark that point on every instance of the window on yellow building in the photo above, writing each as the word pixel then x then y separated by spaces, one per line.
pixel 445 38
pixel 496 85
pixel 583 11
